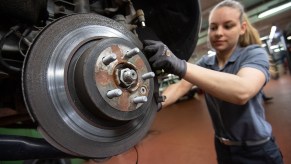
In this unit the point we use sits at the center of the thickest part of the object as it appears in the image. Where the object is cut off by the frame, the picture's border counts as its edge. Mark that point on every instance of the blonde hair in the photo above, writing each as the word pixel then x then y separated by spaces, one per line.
pixel 251 35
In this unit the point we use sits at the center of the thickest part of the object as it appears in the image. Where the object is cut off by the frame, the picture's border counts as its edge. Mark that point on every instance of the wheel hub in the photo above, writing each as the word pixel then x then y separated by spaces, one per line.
pixel 113 68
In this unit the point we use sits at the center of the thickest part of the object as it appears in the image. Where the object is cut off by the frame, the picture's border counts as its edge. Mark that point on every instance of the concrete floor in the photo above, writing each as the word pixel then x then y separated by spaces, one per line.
pixel 183 134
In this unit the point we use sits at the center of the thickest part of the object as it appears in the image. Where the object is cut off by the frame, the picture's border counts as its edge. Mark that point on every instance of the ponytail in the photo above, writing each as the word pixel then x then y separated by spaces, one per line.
pixel 251 35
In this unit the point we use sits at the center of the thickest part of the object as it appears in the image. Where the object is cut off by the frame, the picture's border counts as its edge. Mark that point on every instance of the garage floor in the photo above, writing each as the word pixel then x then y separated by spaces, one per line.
pixel 182 133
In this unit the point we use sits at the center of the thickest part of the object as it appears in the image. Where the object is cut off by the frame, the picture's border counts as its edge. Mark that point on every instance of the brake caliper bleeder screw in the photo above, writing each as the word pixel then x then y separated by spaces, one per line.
pixel 131 53
pixel 148 75
pixel 140 99
pixel 108 59
pixel 114 93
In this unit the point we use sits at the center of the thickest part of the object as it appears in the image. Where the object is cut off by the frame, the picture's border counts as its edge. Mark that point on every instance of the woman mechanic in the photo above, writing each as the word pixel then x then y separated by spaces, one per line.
pixel 232 81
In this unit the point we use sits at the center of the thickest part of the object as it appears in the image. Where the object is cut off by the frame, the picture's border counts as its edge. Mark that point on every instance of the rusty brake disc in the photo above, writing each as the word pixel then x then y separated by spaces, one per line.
pixel 89 87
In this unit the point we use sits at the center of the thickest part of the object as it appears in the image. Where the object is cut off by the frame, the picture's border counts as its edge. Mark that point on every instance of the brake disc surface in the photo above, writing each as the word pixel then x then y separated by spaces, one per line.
pixel 89 87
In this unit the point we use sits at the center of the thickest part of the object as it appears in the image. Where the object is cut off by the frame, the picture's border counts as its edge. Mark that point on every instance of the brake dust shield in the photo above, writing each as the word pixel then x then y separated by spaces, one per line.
pixel 89 87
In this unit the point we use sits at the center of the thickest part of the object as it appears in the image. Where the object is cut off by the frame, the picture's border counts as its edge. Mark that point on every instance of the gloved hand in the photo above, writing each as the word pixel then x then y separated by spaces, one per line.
pixel 160 57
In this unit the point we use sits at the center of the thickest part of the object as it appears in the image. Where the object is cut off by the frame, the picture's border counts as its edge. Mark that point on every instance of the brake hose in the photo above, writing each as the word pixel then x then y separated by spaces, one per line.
pixel 2 41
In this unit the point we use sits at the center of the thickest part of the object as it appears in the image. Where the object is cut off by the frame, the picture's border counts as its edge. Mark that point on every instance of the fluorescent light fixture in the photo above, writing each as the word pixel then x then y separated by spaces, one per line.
pixel 277 50
pixel 272 33
pixel 274 47
pixel 264 38
pixel 289 38
pixel 274 10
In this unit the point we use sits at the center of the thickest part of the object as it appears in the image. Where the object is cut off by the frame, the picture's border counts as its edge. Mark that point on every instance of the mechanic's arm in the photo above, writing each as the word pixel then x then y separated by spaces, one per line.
pixel 236 89
pixel 175 91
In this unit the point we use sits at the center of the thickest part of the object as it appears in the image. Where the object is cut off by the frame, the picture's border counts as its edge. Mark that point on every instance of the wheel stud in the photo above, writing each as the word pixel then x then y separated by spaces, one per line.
pixel 131 53
pixel 140 99
pixel 148 75
pixel 108 59
pixel 114 93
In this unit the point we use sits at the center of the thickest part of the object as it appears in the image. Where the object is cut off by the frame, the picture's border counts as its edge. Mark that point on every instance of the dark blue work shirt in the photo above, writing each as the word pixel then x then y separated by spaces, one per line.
pixel 239 122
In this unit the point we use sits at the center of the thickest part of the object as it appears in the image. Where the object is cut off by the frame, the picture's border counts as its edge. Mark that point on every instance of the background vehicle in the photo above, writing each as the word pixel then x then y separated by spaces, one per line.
pixel 75 70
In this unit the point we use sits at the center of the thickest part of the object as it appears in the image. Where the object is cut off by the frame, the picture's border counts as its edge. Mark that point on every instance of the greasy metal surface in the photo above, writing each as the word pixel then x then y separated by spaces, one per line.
pixel 52 104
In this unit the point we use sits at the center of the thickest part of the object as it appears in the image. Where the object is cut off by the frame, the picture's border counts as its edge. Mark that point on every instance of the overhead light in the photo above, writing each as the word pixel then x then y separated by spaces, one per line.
pixel 272 33
pixel 274 10
pixel 274 47
pixel 264 38
pixel 289 38
pixel 277 50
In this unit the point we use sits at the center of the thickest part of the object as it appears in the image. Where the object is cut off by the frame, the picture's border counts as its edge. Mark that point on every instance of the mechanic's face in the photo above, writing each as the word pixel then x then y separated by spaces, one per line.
pixel 225 28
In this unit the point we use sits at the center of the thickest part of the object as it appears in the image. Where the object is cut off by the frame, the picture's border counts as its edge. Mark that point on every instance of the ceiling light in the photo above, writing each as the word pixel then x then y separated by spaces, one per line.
pixel 276 50
pixel 274 10
pixel 289 38
pixel 272 33
pixel 264 38
pixel 274 47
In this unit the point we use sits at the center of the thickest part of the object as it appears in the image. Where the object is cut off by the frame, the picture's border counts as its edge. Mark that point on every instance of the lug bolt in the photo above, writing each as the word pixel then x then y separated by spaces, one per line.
pixel 131 53
pixel 140 99
pixel 108 59
pixel 114 93
pixel 148 75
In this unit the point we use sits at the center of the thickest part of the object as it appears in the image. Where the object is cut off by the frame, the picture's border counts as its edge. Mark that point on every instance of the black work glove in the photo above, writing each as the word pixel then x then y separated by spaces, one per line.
pixel 160 57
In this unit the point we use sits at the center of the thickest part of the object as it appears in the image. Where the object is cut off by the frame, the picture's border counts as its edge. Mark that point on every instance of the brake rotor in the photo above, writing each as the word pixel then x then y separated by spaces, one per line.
pixel 89 87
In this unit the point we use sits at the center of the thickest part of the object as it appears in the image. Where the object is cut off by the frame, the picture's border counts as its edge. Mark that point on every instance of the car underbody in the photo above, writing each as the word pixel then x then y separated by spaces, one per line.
pixel 75 71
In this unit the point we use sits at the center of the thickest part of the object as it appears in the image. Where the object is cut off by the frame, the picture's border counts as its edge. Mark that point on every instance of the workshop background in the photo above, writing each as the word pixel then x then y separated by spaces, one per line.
pixel 182 133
